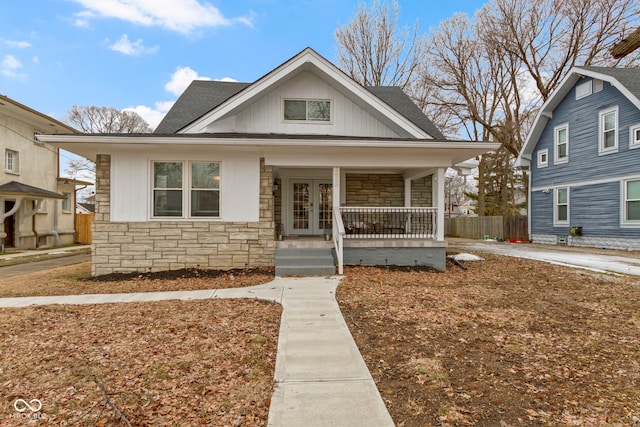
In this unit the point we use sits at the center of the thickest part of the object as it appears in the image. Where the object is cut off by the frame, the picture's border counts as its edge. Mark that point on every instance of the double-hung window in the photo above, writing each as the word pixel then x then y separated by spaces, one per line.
pixel 632 201
pixel 313 110
pixel 561 143
pixel 561 211
pixel 11 161
pixel 608 131
pixel 186 189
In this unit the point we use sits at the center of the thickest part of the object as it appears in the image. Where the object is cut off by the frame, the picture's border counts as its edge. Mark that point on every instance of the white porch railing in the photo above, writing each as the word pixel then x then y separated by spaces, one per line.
pixel 352 222
pixel 389 222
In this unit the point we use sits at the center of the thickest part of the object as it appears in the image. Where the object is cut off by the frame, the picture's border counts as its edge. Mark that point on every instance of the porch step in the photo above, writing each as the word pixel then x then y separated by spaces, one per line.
pixel 305 262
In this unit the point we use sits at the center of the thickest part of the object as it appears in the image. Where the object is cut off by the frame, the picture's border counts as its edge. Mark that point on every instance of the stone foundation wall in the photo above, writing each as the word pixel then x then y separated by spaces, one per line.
pixel 120 247
pixel 123 247
pixel 589 241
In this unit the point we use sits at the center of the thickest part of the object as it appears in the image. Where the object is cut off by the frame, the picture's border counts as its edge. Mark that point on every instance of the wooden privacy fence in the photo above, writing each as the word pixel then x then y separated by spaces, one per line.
pixel 493 227
pixel 83 228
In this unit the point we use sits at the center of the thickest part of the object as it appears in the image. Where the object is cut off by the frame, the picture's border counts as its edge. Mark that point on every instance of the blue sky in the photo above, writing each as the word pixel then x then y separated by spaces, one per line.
pixel 141 54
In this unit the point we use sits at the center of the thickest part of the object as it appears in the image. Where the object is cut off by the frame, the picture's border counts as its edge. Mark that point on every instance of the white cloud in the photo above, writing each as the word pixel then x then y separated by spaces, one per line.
pixel 9 66
pixel 125 46
pixel 153 116
pixel 15 43
pixel 181 79
pixel 184 16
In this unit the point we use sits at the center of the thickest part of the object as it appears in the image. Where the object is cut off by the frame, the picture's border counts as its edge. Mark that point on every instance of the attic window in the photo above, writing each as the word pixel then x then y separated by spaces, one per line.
pixel 583 89
pixel 311 110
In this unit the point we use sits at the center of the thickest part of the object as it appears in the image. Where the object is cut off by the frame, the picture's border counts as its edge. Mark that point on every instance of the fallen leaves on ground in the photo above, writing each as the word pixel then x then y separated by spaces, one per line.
pixel 162 363
pixel 76 280
pixel 508 342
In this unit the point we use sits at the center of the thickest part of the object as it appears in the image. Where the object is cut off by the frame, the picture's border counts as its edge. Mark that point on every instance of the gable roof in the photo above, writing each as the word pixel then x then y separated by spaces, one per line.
pixel 190 113
pixel 203 96
pixel 626 80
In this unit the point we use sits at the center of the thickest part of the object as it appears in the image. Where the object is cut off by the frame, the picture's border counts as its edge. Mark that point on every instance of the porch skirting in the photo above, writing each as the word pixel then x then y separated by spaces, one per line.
pixel 403 252
pixel 125 247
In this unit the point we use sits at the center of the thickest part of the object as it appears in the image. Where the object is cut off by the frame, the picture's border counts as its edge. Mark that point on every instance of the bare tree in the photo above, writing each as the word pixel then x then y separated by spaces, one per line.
pixel 374 50
pixel 492 73
pixel 92 119
pixel 551 36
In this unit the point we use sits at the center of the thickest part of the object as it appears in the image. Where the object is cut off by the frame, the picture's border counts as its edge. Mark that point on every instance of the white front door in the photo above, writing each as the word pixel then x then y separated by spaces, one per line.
pixel 310 206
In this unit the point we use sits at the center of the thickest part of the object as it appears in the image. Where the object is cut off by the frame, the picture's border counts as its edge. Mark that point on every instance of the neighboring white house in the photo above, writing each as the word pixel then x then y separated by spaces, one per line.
pixel 303 151
pixel 36 204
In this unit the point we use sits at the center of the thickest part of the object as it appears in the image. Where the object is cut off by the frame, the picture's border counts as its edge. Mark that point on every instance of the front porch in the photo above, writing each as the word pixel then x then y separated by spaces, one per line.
pixel 383 217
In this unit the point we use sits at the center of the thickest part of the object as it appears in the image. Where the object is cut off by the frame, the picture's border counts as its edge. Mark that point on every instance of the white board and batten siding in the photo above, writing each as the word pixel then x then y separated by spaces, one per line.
pixel 265 115
pixel 131 184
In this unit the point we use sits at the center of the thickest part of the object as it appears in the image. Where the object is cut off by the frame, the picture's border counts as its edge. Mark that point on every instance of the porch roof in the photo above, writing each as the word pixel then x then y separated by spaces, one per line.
pixel 14 188
pixel 89 145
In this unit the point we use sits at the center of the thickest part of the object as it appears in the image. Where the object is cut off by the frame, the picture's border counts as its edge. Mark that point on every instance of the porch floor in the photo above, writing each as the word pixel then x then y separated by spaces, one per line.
pixel 302 242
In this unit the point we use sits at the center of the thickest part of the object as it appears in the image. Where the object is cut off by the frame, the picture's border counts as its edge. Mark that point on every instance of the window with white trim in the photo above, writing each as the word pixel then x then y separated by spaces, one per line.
pixel 583 89
pixel 561 143
pixel 632 201
pixel 597 85
pixel 312 110
pixel 561 211
pixel 66 202
pixel 608 131
pixel 543 158
pixel 11 161
pixel 634 136
pixel 185 189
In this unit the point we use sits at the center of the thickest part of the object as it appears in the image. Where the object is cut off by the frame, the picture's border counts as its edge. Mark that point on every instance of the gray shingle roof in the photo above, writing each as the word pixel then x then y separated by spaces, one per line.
pixel 628 77
pixel 19 189
pixel 203 96
pixel 198 99
pixel 400 101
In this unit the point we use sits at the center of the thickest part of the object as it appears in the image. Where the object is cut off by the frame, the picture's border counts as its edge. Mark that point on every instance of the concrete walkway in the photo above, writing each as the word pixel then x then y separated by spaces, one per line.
pixel 587 258
pixel 320 376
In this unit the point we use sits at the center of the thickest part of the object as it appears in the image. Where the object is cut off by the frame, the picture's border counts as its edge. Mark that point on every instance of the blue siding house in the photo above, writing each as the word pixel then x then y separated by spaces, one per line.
pixel 583 155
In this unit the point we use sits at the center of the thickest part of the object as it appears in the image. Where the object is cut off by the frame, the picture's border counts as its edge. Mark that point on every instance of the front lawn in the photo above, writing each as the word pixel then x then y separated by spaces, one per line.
pixel 162 363
pixel 508 342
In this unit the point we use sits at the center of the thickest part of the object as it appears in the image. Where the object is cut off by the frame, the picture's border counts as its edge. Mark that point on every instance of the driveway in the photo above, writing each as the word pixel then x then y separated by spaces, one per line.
pixel 600 260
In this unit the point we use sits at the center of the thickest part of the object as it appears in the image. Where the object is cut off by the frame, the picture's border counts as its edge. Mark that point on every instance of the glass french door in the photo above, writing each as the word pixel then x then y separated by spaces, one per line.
pixel 310 207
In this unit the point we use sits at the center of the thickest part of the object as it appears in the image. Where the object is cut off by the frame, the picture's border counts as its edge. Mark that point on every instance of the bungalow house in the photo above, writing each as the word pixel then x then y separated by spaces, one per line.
pixel 247 174
pixel 583 156
pixel 36 204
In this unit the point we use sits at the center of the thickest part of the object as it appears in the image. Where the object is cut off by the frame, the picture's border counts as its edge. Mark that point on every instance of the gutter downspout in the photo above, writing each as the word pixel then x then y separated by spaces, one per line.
pixel 33 226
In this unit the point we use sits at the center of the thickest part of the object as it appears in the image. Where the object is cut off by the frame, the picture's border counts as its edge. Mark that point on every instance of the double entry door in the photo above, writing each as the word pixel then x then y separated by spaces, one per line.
pixel 310 206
